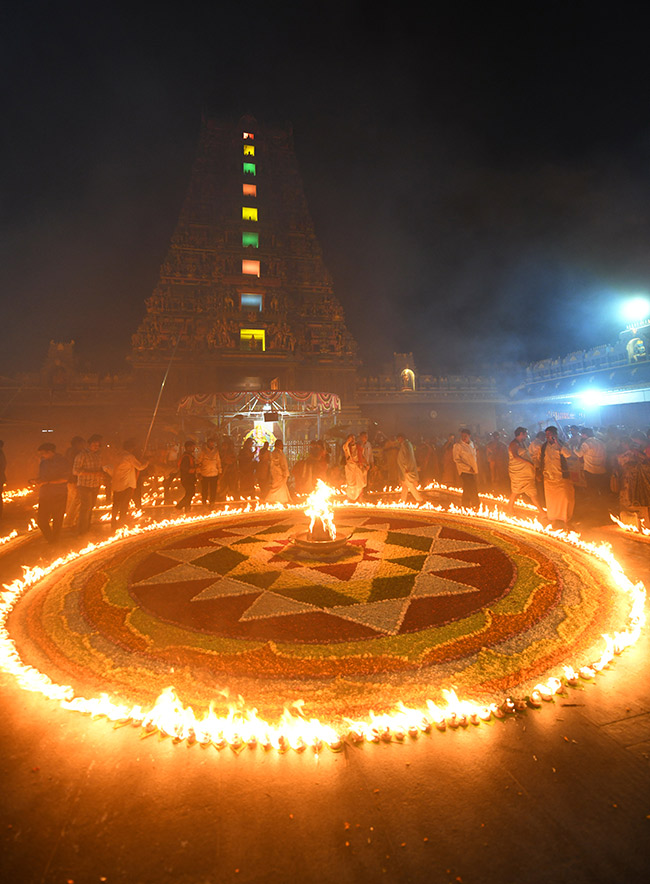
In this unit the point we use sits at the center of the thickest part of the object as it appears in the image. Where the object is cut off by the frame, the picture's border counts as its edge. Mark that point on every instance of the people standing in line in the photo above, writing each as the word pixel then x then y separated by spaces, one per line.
pixel 187 471
pixel 208 467
pixel 90 475
pixel 72 503
pixel 464 454
pixel 408 470
pixel 521 471
pixel 52 483
pixel 279 490
pixel 125 481
pixel 558 488
pixel 3 473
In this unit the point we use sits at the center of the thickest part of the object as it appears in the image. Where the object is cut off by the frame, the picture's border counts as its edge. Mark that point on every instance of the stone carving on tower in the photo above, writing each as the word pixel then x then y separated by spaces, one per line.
pixel 244 297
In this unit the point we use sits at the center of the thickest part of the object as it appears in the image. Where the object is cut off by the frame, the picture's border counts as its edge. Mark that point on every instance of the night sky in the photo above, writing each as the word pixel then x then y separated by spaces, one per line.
pixel 479 183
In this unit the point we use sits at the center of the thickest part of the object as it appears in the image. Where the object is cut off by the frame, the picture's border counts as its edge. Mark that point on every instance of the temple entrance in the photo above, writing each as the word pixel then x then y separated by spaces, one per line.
pixel 293 416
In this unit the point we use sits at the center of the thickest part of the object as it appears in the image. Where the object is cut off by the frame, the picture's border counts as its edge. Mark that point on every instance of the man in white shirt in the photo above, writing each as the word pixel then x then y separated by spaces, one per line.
pixel 208 467
pixel 464 453
pixel 408 470
pixel 125 479
pixel 521 471
pixel 279 490
pixel 594 458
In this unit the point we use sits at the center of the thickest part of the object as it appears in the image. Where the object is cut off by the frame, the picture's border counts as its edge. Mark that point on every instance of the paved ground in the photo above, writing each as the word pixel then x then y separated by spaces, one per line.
pixel 561 794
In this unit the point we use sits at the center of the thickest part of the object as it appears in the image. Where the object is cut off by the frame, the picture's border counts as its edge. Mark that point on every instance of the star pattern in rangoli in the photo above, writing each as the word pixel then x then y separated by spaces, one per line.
pixel 387 564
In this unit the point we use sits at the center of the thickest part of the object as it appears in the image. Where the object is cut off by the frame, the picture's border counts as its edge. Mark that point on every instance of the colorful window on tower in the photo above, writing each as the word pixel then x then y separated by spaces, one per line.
pixel 249 169
pixel 249 150
pixel 248 213
pixel 249 189
pixel 250 240
pixel 252 339
pixel 250 268
pixel 250 301
pixel 248 136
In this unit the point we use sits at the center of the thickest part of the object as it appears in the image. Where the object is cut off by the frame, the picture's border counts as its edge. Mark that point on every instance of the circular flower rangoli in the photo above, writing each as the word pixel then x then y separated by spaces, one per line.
pixel 417 601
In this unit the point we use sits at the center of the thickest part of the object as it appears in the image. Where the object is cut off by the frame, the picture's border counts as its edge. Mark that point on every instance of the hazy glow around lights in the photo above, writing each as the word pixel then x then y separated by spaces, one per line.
pixel 591 397
pixel 636 308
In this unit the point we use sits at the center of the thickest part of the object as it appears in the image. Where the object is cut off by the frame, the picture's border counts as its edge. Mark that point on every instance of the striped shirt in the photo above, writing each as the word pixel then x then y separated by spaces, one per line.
pixel 87 468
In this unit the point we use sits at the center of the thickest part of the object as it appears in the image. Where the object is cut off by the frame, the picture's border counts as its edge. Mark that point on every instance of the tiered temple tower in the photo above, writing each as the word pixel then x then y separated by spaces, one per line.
pixel 244 300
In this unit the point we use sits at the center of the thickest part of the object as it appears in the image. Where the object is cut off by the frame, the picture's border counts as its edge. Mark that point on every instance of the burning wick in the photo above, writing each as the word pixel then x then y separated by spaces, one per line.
pixel 321 514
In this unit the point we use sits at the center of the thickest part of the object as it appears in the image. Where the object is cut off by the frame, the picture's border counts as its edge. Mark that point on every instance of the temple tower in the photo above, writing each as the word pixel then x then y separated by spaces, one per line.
pixel 244 300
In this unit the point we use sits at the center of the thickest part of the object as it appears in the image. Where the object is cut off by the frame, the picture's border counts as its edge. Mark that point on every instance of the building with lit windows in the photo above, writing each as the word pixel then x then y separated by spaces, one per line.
pixel 244 300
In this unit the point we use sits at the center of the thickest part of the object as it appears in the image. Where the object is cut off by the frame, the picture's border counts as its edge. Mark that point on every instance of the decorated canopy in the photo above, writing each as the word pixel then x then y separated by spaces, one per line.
pixel 257 402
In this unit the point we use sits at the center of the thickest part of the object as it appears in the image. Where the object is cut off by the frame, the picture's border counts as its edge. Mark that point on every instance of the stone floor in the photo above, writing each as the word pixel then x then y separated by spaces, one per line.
pixel 561 794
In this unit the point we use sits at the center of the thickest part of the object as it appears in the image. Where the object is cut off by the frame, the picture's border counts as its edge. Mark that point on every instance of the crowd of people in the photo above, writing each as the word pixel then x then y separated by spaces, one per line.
pixel 604 469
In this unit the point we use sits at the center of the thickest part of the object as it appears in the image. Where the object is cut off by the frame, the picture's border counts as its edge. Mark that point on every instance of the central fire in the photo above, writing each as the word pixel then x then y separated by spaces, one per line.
pixel 320 539
pixel 321 526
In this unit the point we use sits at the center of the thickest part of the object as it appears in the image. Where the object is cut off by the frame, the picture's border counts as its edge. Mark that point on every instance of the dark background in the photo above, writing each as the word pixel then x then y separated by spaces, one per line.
pixel 478 180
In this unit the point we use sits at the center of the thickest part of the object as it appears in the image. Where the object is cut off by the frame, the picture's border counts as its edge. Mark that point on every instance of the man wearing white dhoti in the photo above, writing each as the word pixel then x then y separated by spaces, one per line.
pixel 408 470
pixel 521 471
pixel 558 488
pixel 279 490
pixel 355 474
pixel 467 465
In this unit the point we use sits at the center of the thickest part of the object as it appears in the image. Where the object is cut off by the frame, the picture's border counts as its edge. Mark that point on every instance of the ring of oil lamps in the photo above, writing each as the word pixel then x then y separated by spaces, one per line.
pixel 169 717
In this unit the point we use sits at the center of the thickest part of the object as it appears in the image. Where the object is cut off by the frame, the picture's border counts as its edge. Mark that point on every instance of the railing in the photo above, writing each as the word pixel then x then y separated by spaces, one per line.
pixel 426 384
pixel 567 367
pixel 295 450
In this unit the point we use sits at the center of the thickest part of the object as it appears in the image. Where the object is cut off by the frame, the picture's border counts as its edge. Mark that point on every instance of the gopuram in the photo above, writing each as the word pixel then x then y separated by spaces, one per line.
pixel 244 300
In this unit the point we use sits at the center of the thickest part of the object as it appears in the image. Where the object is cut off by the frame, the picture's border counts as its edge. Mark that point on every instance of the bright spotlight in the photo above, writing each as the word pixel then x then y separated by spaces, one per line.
pixel 591 398
pixel 636 309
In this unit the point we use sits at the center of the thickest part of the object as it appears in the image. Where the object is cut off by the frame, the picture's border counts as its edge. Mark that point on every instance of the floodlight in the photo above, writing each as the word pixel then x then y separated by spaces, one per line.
pixel 637 308
pixel 591 398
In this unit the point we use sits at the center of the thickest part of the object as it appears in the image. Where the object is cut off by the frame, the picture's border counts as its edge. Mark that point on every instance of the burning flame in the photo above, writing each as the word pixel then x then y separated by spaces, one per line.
pixel 242 726
pixel 17 493
pixel 641 530
pixel 318 507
